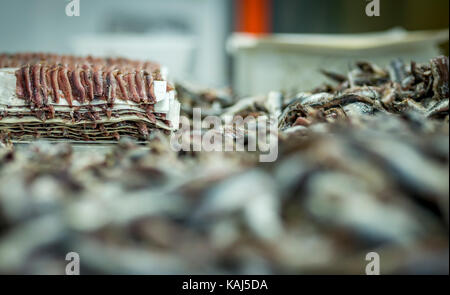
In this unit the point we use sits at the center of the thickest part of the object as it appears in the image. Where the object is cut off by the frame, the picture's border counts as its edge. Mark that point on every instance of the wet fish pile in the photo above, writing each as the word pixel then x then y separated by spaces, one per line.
pixel 212 102
pixel 400 89
pixel 83 98
pixel 362 167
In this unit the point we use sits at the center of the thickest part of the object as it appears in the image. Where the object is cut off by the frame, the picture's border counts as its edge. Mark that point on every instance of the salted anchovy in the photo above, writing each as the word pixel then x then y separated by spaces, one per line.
pixel 87 82
pixel 131 78
pixel 111 82
pixel 78 86
pixel 98 83
pixel 27 81
pixel 122 86
pixel 140 86
pixel 36 83
pixel 54 82
pixel 107 86
pixel 64 83
pixel 44 78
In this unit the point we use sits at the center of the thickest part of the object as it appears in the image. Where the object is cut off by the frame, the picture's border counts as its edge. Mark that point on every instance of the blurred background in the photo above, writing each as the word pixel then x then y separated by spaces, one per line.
pixel 196 39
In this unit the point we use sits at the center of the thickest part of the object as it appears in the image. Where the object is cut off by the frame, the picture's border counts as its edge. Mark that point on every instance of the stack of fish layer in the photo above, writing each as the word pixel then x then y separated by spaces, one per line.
pixel 88 99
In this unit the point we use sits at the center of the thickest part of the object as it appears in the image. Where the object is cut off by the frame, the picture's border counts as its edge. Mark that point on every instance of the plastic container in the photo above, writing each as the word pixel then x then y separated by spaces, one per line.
pixel 292 62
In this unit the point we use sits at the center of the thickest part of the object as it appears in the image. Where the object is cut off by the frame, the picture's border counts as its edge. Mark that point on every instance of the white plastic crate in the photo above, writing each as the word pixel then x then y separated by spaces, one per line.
pixel 292 62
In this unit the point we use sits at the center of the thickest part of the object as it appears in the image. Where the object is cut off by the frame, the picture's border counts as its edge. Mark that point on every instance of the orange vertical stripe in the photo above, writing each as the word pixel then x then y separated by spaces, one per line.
pixel 253 16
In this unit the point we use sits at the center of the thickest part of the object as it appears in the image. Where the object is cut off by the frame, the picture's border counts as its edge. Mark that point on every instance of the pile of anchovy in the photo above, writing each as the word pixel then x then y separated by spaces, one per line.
pixel 363 166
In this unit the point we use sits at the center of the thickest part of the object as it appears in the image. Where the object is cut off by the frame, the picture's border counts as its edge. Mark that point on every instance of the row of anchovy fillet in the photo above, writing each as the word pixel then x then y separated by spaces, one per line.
pixel 35 83
pixel 20 59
